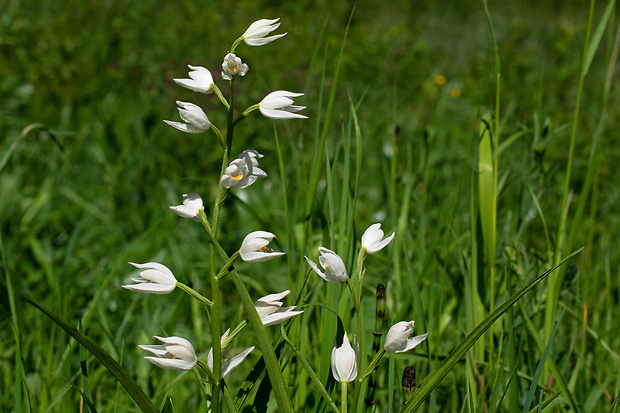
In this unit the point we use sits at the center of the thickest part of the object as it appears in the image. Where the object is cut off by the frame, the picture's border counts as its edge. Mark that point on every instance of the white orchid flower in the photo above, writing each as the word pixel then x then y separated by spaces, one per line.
pixel 255 34
pixel 232 66
pixel 192 204
pixel 254 247
pixel 176 353
pixel 196 120
pixel 156 279
pixel 397 339
pixel 344 360
pixel 372 239
pixel 279 105
pixel 200 80
pixel 243 171
pixel 228 364
pixel 335 271
pixel 270 309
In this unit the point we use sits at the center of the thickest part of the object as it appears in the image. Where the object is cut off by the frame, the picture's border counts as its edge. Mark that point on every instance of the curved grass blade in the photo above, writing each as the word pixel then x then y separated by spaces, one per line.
pixel 123 377
pixel 435 376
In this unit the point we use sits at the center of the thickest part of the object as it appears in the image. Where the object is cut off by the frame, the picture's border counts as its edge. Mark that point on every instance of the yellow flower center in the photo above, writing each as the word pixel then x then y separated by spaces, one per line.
pixel 232 68
pixel 237 177
pixel 266 249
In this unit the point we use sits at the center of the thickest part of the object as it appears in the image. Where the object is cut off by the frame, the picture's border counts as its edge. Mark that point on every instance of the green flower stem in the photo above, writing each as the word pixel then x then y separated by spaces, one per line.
pixel 235 44
pixel 343 401
pixel 269 355
pixel 219 94
pixel 248 111
pixel 228 266
pixel 372 366
pixel 219 136
pixel 357 299
pixel 194 294
pixel 206 369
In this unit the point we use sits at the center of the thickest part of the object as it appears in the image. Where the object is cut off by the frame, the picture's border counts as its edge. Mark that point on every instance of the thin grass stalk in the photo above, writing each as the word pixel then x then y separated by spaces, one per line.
pixel 555 281
pixel 376 342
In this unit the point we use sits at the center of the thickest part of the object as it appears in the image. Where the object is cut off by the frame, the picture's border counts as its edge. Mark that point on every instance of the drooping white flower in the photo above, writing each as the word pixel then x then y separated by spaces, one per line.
pixel 196 120
pixel 254 247
pixel 397 339
pixel 176 353
pixel 335 271
pixel 344 360
pixel 243 171
pixel 156 279
pixel 232 66
pixel 279 105
pixel 192 204
pixel 372 239
pixel 200 80
pixel 255 34
pixel 270 309
pixel 228 364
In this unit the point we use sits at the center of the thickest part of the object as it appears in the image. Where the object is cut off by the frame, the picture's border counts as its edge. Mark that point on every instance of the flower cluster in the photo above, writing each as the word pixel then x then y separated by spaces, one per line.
pixel 175 352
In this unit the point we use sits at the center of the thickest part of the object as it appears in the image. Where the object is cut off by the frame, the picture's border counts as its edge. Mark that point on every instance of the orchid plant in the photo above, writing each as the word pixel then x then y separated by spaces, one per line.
pixel 239 174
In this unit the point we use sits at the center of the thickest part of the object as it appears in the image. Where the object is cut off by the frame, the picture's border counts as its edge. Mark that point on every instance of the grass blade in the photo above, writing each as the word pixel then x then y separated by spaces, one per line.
pixel 123 377
pixel 435 376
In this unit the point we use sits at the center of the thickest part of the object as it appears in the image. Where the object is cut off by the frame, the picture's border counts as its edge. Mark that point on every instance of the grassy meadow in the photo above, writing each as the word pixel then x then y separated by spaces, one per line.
pixel 488 182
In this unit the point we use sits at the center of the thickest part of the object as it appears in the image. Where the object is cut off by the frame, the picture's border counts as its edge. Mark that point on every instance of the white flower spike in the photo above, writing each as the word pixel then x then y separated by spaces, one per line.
pixel 156 279
pixel 175 354
pixel 196 120
pixel 255 34
pixel 232 66
pixel 192 204
pixel 228 364
pixel 335 271
pixel 254 247
pixel 243 171
pixel 270 309
pixel 279 105
pixel 200 80
pixel 371 240
pixel 397 339
pixel 344 360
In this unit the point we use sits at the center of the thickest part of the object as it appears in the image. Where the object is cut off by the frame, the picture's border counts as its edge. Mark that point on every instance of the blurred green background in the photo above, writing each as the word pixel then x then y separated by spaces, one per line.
pixel 91 191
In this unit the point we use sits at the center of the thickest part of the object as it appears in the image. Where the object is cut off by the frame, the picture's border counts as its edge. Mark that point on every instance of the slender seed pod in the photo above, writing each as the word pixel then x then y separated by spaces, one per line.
pixel 376 342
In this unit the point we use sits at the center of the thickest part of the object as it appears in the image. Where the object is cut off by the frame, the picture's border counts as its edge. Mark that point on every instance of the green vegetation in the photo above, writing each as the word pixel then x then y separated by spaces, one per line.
pixel 488 182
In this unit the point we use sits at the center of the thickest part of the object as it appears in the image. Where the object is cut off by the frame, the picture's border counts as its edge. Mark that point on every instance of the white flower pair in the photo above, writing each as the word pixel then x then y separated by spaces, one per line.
pixel 335 270
pixel 345 358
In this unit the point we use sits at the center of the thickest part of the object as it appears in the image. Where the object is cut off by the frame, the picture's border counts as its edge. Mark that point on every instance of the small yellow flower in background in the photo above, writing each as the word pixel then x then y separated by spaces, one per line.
pixel 243 171
pixel 255 34
pixel 196 120
pixel 175 354
pixel 232 66
pixel 440 80
pixel 455 92
pixel 200 80
pixel 344 360
pixel 254 247
pixel 192 204
pixel 156 279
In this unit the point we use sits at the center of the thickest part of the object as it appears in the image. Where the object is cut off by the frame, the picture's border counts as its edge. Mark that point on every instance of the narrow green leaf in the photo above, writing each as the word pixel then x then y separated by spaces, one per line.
pixel 435 376
pixel 123 377
pixel 539 368
pixel 598 35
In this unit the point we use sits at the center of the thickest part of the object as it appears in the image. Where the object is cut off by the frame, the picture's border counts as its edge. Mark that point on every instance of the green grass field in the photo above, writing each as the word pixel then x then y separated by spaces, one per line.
pixel 488 182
